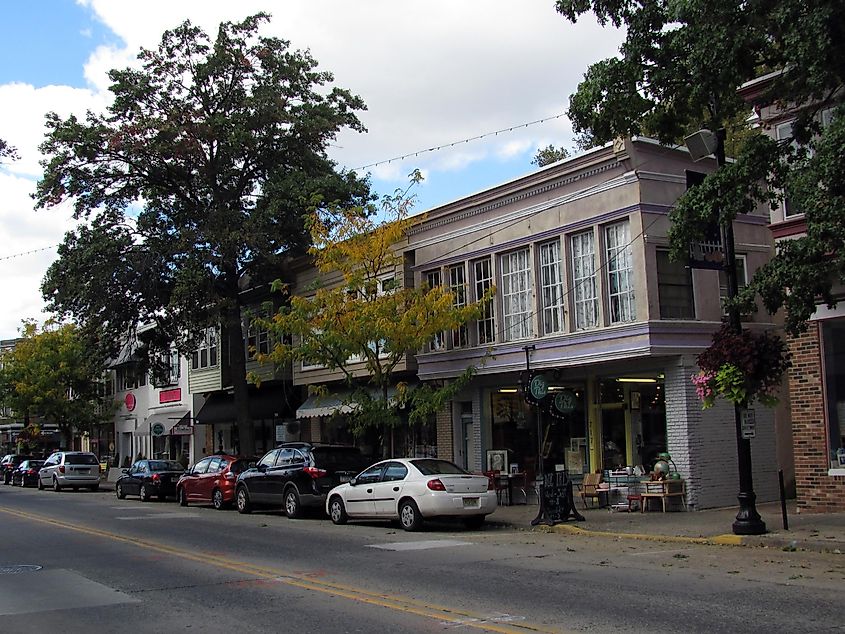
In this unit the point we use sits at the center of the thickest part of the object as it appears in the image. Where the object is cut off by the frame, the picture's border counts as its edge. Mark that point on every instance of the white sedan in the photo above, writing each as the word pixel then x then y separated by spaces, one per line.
pixel 411 490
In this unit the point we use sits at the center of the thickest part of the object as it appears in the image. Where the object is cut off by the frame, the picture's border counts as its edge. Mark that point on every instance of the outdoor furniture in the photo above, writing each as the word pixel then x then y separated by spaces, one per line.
pixel 663 490
pixel 590 488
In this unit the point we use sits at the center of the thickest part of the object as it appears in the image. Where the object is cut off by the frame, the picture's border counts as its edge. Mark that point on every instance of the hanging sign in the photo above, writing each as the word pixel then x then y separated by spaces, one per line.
pixel 748 424
pixel 537 389
pixel 565 402
pixel 157 429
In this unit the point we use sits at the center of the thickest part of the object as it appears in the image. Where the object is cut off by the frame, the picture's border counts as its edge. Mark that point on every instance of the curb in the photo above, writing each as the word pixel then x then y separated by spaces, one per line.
pixel 748 541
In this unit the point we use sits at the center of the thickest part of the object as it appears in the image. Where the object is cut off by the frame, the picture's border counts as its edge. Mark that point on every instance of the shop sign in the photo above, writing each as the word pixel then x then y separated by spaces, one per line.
pixel 157 429
pixel 748 424
pixel 538 387
pixel 129 401
pixel 183 429
pixel 565 401
pixel 170 396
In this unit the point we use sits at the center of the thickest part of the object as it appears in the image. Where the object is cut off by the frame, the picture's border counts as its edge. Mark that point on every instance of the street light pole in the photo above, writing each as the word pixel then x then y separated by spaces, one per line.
pixel 748 520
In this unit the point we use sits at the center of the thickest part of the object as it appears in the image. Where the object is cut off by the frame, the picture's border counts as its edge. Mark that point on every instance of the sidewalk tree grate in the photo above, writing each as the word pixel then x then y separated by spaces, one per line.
pixel 18 569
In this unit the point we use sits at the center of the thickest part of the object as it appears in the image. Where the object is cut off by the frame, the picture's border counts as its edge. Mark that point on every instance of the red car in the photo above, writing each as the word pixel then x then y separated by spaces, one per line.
pixel 211 480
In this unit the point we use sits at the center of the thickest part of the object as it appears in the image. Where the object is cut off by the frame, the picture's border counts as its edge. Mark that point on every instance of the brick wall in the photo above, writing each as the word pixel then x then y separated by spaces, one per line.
pixel 445 433
pixel 702 443
pixel 817 492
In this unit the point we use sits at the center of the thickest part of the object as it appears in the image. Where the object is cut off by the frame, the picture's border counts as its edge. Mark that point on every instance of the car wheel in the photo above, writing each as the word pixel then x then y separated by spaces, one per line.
pixel 144 494
pixel 182 497
pixel 409 515
pixel 217 500
pixel 242 501
pixel 293 509
pixel 40 484
pixel 118 491
pixel 337 512
pixel 56 486
pixel 475 522
pixel 23 482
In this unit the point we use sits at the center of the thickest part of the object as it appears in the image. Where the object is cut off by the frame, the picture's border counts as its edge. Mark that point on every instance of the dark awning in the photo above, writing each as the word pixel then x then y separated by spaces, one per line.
pixel 167 419
pixel 263 404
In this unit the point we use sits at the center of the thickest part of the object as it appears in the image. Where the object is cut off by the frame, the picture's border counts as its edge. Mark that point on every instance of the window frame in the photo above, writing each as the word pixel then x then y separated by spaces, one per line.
pixel 581 260
pixel 434 279
pixel 458 287
pixel 485 326
pixel 206 356
pixel 517 283
pixel 551 291
pixel 622 303
pixel 661 284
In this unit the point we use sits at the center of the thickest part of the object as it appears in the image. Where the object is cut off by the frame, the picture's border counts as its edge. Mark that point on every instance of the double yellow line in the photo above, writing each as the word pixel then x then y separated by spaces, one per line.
pixel 400 604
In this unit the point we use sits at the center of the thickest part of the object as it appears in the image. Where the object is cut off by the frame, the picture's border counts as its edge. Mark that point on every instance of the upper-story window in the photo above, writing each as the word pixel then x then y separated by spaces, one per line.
pixel 258 337
pixel 205 356
pixel 584 280
pixel 741 280
pixel 458 288
pixel 129 377
pixel 620 273
pixel 485 326
pixel 172 369
pixel 674 288
pixel 551 287
pixel 516 295
pixel 783 132
pixel 435 279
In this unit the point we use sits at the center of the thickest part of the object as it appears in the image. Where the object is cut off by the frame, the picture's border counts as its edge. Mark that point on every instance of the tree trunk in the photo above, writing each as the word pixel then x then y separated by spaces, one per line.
pixel 237 364
pixel 67 436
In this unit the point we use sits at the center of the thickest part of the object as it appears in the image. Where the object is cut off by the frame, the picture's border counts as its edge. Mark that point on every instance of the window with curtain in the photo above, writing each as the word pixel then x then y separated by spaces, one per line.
pixel 516 295
pixel 584 280
pixel 674 288
pixel 551 287
pixel 458 288
pixel 620 273
pixel 483 272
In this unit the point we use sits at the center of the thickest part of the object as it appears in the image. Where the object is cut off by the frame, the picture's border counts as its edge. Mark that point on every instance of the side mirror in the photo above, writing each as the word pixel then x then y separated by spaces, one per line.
pixel 125 471
pixel 261 467
pixel 353 482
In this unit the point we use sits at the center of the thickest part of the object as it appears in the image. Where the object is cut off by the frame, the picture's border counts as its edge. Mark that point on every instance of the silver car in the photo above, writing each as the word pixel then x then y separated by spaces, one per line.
pixel 72 469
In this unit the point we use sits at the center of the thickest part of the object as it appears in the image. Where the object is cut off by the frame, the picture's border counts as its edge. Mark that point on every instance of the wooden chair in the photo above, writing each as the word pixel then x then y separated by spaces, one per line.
pixel 589 488
pixel 664 490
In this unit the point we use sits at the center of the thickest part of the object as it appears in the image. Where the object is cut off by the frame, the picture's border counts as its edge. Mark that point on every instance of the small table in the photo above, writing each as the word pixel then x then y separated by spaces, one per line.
pixel 506 481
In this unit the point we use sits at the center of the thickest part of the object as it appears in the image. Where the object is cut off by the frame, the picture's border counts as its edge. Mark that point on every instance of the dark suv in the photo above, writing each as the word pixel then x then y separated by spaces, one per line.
pixel 9 463
pixel 296 475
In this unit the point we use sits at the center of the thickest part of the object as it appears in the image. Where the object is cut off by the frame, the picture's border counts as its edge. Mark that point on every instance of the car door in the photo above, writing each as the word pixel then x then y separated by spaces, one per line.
pixel 130 482
pixel 386 492
pixel 258 480
pixel 192 483
pixel 359 496
pixel 278 475
pixel 207 479
pixel 46 472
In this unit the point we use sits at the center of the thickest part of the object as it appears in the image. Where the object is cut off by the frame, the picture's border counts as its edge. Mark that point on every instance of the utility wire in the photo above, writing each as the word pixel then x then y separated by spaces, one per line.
pixel 17 255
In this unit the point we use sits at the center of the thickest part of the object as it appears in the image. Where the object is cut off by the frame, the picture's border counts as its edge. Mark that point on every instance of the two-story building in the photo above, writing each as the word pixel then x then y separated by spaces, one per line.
pixel 817 376
pixel 586 292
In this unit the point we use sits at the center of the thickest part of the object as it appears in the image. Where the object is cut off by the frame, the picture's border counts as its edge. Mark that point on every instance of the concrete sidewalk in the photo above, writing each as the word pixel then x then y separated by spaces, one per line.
pixel 813 532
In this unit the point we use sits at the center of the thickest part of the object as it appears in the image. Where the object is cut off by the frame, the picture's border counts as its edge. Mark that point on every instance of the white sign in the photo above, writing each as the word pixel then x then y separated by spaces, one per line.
pixel 280 433
pixel 747 424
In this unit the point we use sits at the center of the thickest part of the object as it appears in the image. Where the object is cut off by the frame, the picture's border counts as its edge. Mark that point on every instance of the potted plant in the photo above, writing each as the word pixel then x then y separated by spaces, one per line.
pixel 741 367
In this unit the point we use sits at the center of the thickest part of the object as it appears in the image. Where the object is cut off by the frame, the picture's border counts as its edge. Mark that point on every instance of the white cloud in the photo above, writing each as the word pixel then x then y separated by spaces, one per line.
pixel 431 74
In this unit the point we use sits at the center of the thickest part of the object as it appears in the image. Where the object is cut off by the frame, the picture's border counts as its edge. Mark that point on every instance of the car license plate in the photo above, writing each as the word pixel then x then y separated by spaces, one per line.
pixel 470 503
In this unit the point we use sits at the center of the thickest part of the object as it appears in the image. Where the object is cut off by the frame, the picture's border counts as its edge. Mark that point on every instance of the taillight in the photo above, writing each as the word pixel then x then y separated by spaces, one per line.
pixel 315 473
pixel 31 471
pixel 435 485
pixel 61 468
pixel 156 477
pixel 491 484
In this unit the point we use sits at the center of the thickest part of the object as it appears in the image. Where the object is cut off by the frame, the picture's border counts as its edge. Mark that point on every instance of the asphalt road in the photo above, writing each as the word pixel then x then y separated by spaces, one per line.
pixel 111 565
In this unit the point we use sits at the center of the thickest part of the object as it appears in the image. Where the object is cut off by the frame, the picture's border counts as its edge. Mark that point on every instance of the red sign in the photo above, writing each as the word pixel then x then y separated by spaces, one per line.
pixel 129 401
pixel 170 396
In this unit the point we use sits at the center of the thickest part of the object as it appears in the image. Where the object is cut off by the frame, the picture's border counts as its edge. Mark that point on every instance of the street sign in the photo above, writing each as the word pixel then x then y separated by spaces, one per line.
pixel 747 424
pixel 157 429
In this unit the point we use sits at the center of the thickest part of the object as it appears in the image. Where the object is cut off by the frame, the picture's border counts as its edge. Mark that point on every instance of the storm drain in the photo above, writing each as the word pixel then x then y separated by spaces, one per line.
pixel 18 569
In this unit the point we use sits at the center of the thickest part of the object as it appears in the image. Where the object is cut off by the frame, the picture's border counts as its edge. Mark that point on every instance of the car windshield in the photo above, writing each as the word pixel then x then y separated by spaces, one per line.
pixel 165 465
pixel 34 464
pixel 430 466
pixel 338 458
pixel 80 458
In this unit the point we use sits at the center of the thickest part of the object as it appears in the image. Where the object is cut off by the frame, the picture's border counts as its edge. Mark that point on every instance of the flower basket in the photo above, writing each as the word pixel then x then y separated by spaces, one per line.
pixel 741 367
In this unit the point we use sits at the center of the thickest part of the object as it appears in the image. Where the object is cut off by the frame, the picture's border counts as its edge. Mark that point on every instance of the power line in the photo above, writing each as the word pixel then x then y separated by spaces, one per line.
pixel 462 141
pixel 22 253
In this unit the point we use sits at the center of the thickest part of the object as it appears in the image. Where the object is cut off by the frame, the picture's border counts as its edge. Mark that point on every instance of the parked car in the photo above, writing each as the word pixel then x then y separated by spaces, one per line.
pixel 148 479
pixel 26 473
pixel 296 475
pixel 413 490
pixel 211 480
pixel 9 463
pixel 73 469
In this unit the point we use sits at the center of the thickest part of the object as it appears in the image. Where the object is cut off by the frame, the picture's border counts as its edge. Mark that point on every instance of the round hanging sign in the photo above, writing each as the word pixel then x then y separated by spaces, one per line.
pixel 566 401
pixel 538 387
pixel 129 401
pixel 157 429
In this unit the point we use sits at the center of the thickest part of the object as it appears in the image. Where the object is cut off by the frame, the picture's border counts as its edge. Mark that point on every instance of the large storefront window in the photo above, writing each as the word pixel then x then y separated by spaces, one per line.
pixel 633 422
pixel 833 338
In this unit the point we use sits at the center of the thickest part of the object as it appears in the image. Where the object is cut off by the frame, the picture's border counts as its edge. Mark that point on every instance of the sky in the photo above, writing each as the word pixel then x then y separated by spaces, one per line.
pixel 433 74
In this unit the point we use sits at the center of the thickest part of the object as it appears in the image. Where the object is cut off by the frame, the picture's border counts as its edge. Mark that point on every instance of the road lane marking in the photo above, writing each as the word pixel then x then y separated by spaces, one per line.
pixel 442 614
pixel 422 545
pixel 157 516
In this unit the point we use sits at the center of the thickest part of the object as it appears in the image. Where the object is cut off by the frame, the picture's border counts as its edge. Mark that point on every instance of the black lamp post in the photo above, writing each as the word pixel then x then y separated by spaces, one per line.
pixel 748 520
pixel 542 515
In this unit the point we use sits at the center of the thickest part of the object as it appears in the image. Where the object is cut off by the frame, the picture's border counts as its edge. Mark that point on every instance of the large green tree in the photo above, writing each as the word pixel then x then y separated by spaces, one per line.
pixel 192 185
pixel 50 376
pixel 679 69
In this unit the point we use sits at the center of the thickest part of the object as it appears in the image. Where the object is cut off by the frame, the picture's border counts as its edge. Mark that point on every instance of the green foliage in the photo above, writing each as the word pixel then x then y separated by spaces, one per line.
pixel 195 181
pixel 548 155
pixel 365 317
pixel 679 70
pixel 7 151
pixel 51 375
